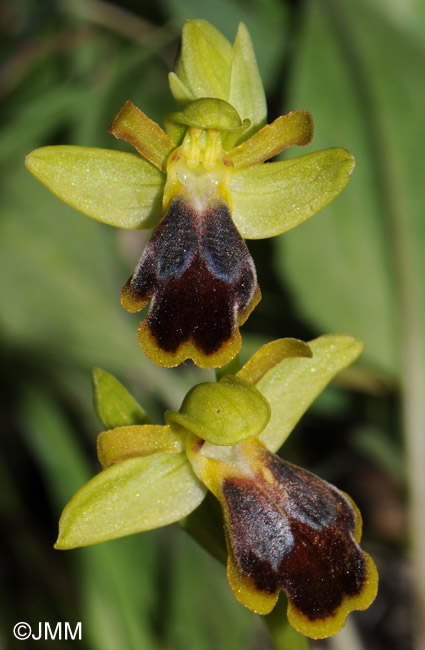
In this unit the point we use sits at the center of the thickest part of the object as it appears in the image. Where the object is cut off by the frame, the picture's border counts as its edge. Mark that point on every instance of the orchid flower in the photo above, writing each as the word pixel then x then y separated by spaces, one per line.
pixel 205 187
pixel 286 529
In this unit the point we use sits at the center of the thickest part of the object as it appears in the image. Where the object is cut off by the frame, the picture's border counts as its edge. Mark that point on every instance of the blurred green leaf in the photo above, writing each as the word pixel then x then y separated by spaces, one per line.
pixel 355 247
pixel 53 443
pixel 36 120
pixel 407 16
pixel 361 266
pixel 117 586
pixel 375 445
pixel 339 266
pixel 203 613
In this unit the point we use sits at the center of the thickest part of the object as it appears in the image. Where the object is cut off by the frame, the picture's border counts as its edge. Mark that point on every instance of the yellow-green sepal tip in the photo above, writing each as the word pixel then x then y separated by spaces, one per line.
pixel 292 385
pixel 269 355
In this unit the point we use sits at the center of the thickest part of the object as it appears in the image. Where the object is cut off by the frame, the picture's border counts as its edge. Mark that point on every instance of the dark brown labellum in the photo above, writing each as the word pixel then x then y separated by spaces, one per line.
pixel 295 532
pixel 198 273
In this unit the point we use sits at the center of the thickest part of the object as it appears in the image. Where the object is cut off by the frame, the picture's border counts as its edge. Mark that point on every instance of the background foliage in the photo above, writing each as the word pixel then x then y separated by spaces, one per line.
pixel 66 67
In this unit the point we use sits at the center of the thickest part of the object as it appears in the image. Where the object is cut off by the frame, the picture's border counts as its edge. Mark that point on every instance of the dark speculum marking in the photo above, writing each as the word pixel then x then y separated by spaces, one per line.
pixel 259 535
pixel 199 274
pixel 296 534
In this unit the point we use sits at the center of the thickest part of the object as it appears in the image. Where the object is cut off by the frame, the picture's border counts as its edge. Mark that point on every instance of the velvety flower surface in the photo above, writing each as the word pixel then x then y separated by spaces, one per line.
pixel 286 529
pixel 202 184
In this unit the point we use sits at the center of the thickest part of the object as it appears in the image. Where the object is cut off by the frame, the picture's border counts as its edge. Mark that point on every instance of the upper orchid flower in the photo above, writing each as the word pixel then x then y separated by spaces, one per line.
pixel 202 184
pixel 286 529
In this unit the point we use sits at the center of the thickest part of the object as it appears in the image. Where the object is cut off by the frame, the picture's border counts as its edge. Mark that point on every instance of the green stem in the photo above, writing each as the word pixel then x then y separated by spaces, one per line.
pixel 205 525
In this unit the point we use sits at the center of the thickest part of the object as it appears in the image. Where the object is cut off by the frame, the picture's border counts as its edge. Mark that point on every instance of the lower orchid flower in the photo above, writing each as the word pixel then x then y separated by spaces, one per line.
pixel 286 529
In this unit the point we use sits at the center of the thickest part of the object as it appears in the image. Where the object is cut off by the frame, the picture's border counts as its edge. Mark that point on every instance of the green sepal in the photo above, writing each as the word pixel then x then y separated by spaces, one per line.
pixel 209 66
pixel 246 88
pixel 292 385
pixel 205 525
pixel 224 412
pixel 180 92
pixel 269 355
pixel 129 497
pixel 275 197
pixel 120 189
pixel 204 64
pixel 115 406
